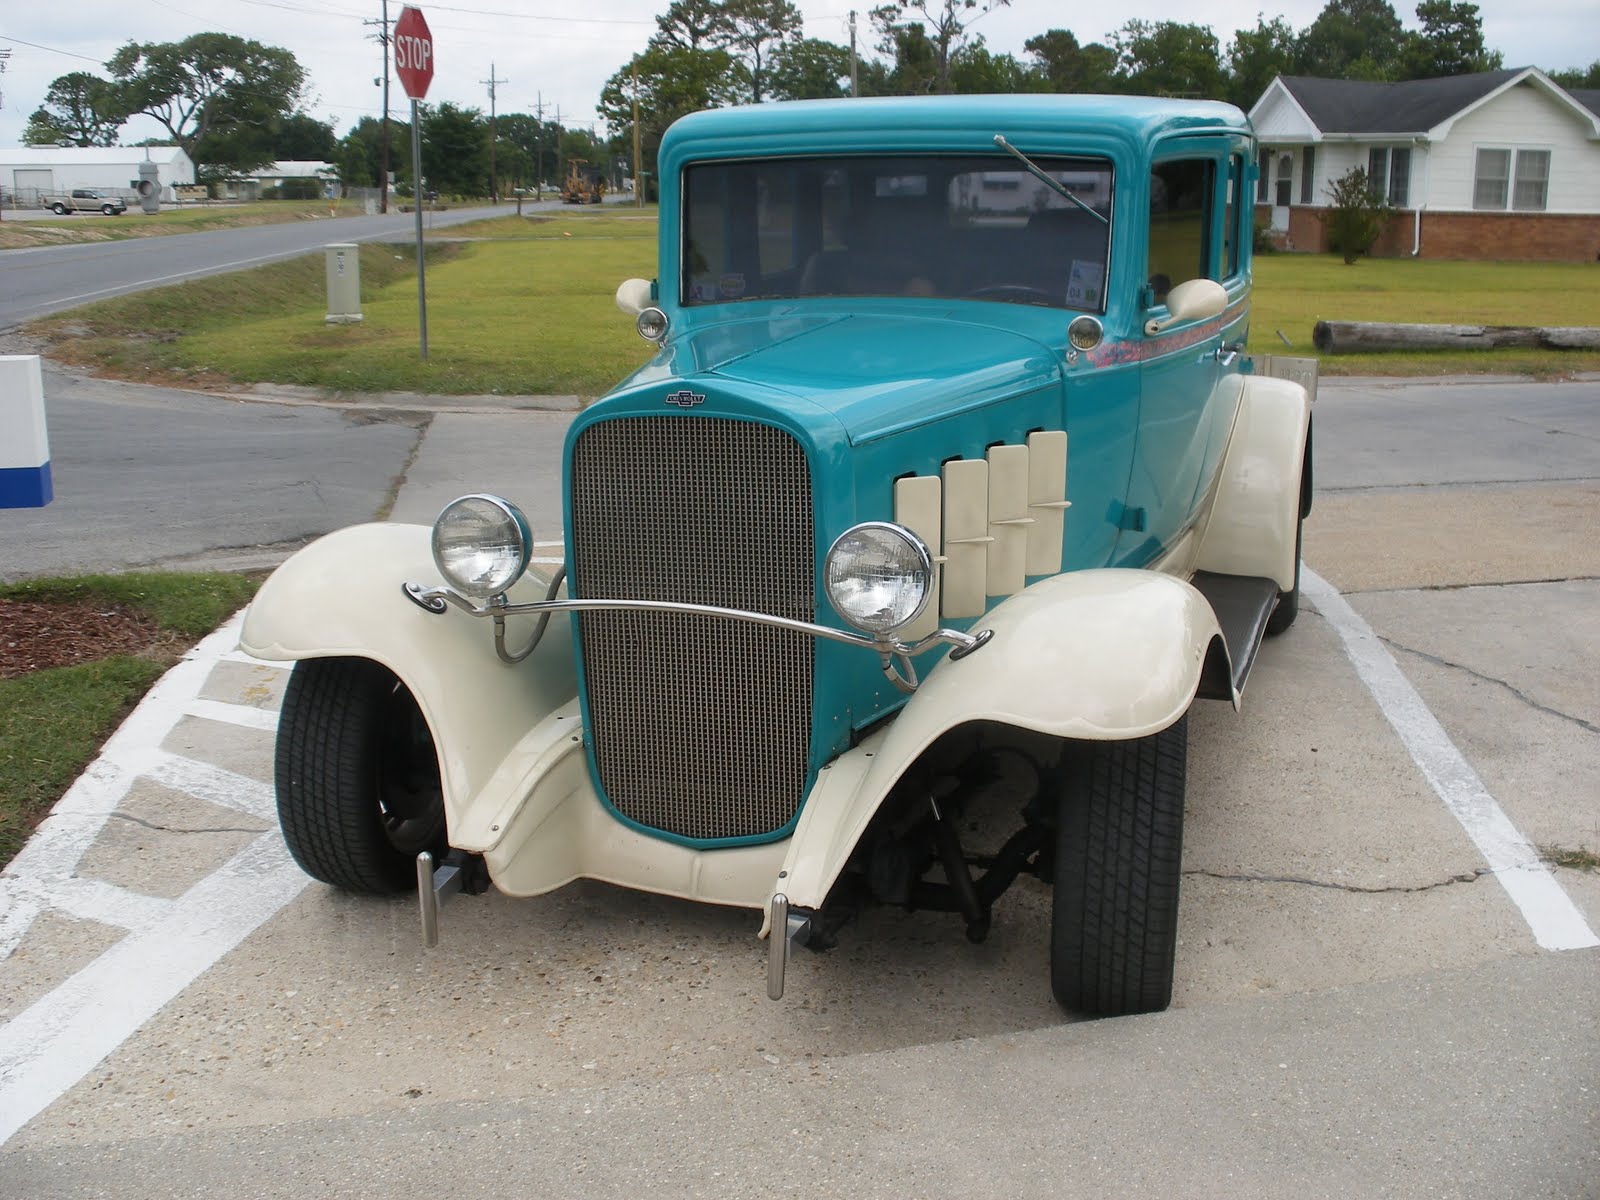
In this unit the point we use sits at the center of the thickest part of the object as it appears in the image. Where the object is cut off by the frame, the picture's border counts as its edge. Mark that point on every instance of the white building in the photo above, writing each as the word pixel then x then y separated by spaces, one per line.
pixel 30 172
pixel 1500 164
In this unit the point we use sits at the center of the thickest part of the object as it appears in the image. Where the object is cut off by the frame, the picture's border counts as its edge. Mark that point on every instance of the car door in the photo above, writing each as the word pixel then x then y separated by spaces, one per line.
pixel 1180 366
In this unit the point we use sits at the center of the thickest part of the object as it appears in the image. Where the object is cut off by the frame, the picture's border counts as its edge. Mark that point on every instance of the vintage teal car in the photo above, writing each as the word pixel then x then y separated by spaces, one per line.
pixel 949 456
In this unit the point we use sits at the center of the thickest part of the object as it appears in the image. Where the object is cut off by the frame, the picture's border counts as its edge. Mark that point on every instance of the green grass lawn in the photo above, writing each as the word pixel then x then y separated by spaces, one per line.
pixel 53 720
pixel 523 305
pixel 1295 291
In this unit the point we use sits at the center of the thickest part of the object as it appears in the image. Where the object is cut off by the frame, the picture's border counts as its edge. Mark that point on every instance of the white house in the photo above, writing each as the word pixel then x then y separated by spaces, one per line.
pixel 251 184
pixel 1500 164
pixel 30 172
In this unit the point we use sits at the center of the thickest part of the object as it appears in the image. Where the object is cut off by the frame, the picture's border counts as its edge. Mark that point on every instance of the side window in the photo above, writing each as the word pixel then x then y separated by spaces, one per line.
pixel 1231 217
pixel 1182 193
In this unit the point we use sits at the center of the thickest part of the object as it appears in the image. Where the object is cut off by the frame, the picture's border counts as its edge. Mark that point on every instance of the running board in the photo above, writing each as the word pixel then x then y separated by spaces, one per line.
pixel 1242 604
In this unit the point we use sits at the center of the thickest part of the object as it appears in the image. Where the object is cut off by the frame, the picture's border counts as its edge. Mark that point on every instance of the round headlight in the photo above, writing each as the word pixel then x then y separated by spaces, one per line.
pixel 879 576
pixel 651 324
pixel 481 545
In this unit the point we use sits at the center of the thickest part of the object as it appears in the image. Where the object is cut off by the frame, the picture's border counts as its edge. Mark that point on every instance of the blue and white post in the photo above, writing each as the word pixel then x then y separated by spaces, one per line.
pixel 24 448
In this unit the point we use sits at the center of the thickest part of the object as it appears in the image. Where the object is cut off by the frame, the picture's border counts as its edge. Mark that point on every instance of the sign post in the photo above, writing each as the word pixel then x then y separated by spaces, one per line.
pixel 413 63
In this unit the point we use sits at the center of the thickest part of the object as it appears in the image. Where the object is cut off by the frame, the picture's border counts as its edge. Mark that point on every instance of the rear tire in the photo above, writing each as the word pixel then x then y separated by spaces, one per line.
pixel 357 777
pixel 59 209
pixel 1119 851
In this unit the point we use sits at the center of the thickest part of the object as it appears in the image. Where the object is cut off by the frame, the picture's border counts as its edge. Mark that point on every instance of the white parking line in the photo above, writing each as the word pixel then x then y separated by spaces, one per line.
pixel 57 1040
pixel 1550 913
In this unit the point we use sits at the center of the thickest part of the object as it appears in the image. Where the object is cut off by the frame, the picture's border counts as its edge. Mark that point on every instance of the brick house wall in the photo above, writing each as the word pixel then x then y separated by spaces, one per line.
pixel 1543 237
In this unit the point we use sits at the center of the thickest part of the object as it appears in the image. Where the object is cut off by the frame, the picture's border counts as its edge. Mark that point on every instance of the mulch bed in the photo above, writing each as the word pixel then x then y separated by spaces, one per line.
pixel 35 634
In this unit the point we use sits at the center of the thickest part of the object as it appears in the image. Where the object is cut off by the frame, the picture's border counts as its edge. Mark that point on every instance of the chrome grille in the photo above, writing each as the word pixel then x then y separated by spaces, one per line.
pixel 700 727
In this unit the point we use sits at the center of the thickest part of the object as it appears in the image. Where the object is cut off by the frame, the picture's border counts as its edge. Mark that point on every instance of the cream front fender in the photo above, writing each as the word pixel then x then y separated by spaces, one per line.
pixel 341 597
pixel 1102 655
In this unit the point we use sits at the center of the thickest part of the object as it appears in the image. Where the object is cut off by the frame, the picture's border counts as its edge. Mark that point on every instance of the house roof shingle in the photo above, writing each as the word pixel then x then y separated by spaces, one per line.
pixel 1412 107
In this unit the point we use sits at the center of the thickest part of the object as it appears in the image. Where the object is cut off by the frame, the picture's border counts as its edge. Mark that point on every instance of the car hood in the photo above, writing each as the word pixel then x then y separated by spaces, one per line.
pixel 877 373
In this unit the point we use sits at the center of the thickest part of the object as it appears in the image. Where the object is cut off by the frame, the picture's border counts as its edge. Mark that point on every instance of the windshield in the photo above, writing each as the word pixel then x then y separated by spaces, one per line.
pixel 979 227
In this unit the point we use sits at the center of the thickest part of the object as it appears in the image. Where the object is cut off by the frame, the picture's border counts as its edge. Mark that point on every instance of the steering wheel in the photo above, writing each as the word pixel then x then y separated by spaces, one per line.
pixel 1012 293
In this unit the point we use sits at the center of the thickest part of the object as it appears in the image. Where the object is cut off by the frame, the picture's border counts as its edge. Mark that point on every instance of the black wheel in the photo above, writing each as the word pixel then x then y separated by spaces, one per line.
pixel 59 209
pixel 357 777
pixel 108 210
pixel 1119 850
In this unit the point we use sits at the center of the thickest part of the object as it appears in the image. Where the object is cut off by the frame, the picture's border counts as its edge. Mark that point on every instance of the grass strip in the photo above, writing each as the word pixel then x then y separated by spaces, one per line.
pixel 52 722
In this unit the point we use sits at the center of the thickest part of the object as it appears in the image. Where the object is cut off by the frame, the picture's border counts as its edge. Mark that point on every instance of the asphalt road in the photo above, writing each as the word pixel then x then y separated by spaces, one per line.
pixel 1364 1005
pixel 48 279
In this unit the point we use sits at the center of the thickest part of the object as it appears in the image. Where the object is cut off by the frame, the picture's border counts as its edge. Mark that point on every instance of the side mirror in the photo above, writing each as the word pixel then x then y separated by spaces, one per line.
pixel 1192 300
pixel 633 297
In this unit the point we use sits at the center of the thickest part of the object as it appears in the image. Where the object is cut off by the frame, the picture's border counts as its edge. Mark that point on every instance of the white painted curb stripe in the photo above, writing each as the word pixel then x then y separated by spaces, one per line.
pixel 234 714
pixel 1550 913
pixel 55 1042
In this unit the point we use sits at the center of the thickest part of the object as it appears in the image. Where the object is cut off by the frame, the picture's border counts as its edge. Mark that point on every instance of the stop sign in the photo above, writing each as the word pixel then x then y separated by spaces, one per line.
pixel 413 52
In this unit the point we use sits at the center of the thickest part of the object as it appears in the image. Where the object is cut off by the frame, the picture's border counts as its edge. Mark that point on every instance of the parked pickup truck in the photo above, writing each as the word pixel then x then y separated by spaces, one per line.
pixel 949 466
pixel 86 200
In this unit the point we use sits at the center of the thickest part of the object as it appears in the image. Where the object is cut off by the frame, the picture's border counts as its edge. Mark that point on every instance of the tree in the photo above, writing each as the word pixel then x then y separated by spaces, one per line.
pixel 1064 66
pixel 300 137
pixel 1357 216
pixel 1166 58
pixel 809 69
pixel 455 150
pixel 79 109
pixel 943 24
pixel 360 152
pixel 755 30
pixel 1450 42
pixel 975 71
pixel 1352 39
pixel 668 82
pixel 692 25
pixel 215 94
pixel 1577 77
pixel 1258 56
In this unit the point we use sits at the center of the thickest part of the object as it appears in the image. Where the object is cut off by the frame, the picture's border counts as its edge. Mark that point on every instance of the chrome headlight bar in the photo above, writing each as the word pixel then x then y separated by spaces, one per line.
pixel 878 575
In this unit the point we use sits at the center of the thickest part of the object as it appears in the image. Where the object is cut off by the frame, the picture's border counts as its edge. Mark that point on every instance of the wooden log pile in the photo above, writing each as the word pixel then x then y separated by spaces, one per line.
pixel 1359 337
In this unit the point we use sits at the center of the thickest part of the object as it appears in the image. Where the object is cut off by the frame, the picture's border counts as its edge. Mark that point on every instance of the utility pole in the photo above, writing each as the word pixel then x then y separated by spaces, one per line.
pixel 855 87
pixel 561 176
pixel 4 56
pixel 638 186
pixel 494 182
pixel 538 147
pixel 383 169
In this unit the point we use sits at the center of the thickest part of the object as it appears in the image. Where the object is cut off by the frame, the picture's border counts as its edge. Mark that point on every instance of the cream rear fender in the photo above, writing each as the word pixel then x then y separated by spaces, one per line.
pixel 341 597
pixel 1102 655
pixel 1252 525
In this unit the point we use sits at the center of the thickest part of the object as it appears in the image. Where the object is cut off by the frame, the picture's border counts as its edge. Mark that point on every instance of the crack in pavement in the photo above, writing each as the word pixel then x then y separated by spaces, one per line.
pixel 386 508
pixel 159 828
pixel 1512 688
pixel 1472 876
pixel 1462 587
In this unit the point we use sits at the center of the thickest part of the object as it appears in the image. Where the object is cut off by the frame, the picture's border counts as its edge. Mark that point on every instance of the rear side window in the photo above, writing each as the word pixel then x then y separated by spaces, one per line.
pixel 1182 193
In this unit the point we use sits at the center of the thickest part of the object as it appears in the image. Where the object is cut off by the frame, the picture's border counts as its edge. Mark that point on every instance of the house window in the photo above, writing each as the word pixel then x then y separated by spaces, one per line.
pixel 1389 174
pixel 1285 182
pixel 1308 174
pixel 1532 189
pixel 1491 178
pixel 1263 163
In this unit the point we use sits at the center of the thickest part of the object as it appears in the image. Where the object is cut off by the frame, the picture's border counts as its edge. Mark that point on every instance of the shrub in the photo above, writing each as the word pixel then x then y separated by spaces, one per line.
pixel 1357 215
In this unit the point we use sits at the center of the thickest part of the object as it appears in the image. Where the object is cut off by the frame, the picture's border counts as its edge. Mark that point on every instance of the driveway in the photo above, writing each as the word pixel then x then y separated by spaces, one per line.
pixel 1381 989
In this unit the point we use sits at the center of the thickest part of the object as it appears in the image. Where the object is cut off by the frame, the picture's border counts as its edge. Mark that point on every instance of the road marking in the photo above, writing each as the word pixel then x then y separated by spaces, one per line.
pixel 1550 913
pixel 57 1040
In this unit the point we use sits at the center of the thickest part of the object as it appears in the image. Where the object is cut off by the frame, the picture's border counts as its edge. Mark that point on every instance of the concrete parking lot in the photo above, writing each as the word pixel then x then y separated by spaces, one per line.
pixel 1382 987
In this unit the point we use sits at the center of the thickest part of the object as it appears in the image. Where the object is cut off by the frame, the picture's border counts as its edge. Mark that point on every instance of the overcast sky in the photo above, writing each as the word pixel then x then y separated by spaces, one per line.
pixel 565 52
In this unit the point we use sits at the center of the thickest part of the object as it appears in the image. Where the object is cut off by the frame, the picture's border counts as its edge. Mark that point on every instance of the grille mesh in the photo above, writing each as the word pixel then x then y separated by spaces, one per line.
pixel 700 726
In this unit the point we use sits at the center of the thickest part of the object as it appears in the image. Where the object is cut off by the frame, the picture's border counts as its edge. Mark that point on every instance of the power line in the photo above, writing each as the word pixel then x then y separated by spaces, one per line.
pixel 494 182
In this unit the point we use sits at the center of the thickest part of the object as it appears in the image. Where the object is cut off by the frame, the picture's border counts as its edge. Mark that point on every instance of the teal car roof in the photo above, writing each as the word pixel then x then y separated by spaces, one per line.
pixel 908 124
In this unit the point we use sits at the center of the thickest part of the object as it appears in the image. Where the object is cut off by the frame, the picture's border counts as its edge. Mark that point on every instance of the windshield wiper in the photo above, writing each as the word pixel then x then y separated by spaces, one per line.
pixel 1044 177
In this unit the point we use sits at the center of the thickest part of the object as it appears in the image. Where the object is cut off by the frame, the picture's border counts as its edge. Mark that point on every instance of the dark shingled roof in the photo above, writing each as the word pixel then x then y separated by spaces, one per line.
pixel 1415 106
pixel 1588 97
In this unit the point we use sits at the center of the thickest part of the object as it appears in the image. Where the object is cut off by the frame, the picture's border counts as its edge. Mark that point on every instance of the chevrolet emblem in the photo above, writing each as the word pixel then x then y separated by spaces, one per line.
pixel 685 399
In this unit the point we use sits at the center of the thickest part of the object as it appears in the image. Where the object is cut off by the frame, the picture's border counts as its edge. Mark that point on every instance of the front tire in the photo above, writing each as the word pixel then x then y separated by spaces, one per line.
pixel 59 209
pixel 357 777
pixel 1119 851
